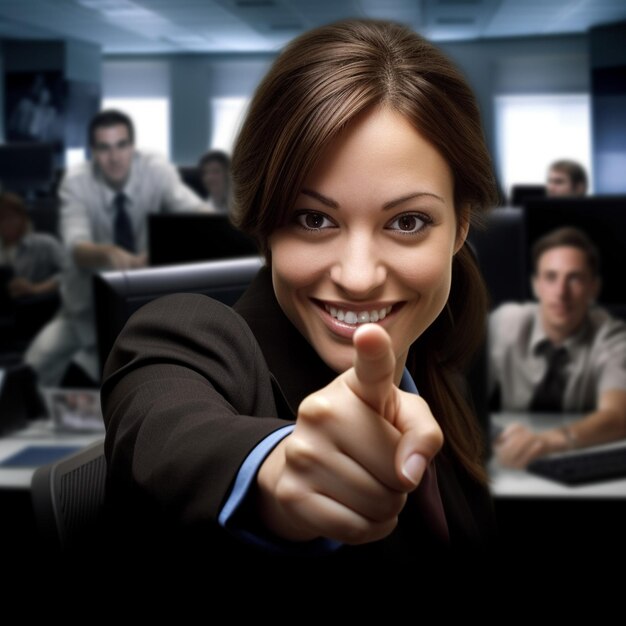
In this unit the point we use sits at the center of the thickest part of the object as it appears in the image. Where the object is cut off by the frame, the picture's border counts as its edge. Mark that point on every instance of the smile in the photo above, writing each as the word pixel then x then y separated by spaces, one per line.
pixel 357 317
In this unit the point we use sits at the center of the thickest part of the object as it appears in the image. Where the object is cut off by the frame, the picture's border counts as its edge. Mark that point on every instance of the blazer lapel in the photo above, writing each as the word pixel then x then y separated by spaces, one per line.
pixel 296 368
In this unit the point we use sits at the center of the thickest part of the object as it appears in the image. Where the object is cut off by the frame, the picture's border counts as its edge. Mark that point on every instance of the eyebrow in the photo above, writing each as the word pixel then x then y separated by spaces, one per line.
pixel 388 205
pixel 101 145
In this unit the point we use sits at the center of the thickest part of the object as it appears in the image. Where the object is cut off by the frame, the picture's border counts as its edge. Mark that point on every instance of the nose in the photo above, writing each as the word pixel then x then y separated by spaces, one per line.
pixel 358 269
pixel 562 288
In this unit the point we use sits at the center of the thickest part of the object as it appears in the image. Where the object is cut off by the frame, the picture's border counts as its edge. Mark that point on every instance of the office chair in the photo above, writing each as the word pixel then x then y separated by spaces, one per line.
pixel 118 294
pixel 68 498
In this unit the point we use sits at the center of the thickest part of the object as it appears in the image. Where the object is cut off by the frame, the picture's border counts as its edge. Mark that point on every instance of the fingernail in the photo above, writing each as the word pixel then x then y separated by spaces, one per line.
pixel 414 467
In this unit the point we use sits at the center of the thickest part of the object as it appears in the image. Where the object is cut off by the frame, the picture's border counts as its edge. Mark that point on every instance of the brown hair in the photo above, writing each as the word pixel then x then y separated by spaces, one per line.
pixel 570 237
pixel 106 119
pixel 318 84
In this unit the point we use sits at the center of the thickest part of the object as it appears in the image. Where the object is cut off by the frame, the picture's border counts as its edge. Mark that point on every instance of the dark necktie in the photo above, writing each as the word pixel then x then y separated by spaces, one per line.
pixel 123 228
pixel 549 393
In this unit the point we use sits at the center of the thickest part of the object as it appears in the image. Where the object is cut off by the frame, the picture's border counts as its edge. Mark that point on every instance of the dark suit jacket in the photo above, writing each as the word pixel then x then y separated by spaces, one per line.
pixel 190 388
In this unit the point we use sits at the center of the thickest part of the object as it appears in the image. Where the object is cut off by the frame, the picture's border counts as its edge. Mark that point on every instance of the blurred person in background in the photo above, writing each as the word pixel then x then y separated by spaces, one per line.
pixel 562 353
pixel 104 209
pixel 566 179
pixel 214 169
pixel 36 259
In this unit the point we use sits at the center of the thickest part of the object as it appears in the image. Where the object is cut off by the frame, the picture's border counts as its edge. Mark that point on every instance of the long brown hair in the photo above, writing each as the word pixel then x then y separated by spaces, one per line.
pixel 318 84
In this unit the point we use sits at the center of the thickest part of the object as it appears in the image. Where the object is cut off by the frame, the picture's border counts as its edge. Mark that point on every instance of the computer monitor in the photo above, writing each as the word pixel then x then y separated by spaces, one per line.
pixel 118 294
pixel 500 249
pixel 520 194
pixel 189 237
pixel 26 167
pixel 603 219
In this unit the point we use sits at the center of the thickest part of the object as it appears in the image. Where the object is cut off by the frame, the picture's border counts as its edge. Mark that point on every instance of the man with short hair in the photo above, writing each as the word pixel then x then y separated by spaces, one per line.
pixel 566 179
pixel 103 225
pixel 36 259
pixel 560 354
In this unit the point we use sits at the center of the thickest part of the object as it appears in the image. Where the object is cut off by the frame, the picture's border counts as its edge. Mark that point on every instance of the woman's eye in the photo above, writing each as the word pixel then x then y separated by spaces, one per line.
pixel 409 223
pixel 311 220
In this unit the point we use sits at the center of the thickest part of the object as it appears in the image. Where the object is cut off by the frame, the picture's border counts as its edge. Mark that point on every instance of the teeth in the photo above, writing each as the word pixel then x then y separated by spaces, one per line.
pixel 362 317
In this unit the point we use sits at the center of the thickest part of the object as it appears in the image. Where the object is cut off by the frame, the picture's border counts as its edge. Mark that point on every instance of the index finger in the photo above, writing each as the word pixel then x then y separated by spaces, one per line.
pixel 371 377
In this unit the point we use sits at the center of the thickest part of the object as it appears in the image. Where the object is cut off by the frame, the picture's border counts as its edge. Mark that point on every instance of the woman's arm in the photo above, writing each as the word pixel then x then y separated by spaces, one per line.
pixel 186 397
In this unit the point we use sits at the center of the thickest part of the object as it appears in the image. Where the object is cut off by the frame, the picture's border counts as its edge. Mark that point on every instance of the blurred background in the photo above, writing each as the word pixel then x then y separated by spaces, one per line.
pixel 550 79
pixel 549 74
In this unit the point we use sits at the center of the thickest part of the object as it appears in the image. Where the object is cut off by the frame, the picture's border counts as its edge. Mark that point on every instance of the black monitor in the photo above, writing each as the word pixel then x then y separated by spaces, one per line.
pixel 189 237
pixel 603 219
pixel 26 167
pixel 521 194
pixel 117 295
pixel 500 249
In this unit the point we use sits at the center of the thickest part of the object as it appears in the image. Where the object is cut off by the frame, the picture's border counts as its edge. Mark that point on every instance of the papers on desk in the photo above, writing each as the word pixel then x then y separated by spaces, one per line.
pixel 34 456
pixel 75 410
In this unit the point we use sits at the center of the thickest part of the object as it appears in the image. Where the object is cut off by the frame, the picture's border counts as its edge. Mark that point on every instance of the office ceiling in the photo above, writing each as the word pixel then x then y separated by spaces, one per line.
pixel 157 26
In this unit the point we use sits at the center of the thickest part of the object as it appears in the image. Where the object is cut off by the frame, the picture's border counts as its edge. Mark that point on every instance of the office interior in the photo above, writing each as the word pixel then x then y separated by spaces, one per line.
pixel 194 60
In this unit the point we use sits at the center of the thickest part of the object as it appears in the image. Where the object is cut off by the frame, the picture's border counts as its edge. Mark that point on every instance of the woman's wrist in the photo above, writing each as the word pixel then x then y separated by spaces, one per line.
pixel 270 511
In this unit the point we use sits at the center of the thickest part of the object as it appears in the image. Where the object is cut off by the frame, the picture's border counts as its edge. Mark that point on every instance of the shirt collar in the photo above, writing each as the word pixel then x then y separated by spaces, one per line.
pixel 127 190
pixel 538 337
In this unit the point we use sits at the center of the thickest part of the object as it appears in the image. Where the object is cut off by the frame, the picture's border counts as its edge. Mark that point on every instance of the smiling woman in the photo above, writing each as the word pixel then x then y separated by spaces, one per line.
pixel 293 425
pixel 358 243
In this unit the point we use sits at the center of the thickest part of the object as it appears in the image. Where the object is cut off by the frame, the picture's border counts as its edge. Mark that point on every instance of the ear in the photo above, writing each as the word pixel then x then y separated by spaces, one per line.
pixel 462 228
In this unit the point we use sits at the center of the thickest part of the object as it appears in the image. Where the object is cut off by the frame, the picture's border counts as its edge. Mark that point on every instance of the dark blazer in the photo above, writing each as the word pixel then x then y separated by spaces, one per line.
pixel 191 387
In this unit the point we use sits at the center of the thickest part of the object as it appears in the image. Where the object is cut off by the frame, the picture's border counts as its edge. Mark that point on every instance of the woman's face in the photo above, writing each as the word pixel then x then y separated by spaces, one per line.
pixel 370 239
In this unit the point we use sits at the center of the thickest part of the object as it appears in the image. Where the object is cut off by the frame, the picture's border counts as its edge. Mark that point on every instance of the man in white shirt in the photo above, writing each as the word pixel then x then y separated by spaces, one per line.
pixel 103 225
pixel 562 354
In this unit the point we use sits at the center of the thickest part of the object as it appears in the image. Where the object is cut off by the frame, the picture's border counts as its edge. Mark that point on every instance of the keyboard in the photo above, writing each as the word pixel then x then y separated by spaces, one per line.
pixel 586 467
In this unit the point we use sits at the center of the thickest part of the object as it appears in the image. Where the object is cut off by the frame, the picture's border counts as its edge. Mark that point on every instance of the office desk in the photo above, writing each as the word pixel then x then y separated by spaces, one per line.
pixel 17 523
pixel 39 432
pixel 506 482
pixel 539 517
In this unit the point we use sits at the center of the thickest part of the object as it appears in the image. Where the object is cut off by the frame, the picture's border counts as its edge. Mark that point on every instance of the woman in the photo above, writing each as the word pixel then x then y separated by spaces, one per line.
pixel 358 170
pixel 214 169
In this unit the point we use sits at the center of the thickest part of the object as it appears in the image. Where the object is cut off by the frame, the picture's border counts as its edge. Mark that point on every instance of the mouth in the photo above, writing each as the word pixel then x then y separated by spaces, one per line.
pixel 354 318
pixel 561 309
pixel 343 319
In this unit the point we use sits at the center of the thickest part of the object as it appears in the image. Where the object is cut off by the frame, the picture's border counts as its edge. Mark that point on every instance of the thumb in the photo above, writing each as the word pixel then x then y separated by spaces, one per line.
pixel 371 377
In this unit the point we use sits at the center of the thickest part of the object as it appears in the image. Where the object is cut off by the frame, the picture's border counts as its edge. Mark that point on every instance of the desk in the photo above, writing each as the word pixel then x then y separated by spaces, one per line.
pixel 537 516
pixel 39 432
pixel 506 482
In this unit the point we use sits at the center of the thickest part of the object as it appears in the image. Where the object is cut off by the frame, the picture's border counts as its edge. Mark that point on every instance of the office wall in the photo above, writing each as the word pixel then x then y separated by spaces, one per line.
pixel 1 93
pixel 189 81
pixel 493 67
pixel 529 65
pixel 608 62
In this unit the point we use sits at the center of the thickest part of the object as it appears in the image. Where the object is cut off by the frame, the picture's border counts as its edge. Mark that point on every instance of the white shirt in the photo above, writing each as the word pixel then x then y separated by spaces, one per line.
pixel 596 357
pixel 153 186
pixel 87 215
